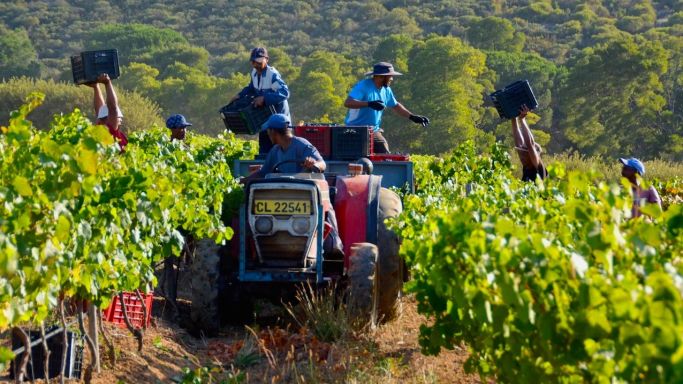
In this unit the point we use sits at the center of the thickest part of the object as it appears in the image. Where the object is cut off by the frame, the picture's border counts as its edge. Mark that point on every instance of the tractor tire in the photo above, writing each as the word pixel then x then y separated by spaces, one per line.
pixel 205 271
pixel 362 287
pixel 391 267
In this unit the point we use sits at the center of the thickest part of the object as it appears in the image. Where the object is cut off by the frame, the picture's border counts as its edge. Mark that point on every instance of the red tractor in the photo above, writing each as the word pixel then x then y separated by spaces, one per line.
pixel 278 244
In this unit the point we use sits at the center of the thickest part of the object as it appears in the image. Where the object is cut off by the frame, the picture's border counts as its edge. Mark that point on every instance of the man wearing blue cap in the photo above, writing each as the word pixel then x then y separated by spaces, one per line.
pixel 368 99
pixel 266 88
pixel 631 168
pixel 177 124
pixel 295 153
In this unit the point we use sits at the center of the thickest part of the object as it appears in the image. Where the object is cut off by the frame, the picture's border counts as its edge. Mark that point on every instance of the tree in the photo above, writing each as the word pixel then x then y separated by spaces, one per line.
pixel 322 87
pixel 18 57
pixel 139 112
pixel 283 63
pixel 133 40
pixel 495 33
pixel 444 84
pixel 140 78
pixel 394 49
pixel 198 96
pixel 322 103
pixel 612 97
pixel 164 57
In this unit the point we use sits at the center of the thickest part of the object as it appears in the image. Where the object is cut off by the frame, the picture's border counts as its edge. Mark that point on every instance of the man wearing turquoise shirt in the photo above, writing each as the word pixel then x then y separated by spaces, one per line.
pixel 368 99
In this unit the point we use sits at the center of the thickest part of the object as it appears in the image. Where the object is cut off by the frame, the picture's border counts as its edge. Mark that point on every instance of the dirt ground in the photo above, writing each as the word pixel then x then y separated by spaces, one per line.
pixel 273 350
pixel 390 354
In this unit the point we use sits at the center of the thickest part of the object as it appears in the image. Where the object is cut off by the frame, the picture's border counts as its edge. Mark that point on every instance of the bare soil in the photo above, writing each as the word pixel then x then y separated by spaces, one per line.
pixel 273 350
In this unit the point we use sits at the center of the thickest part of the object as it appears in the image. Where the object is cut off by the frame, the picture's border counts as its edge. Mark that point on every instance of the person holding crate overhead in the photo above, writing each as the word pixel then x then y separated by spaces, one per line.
pixel 368 99
pixel 266 88
pixel 102 109
pixel 529 151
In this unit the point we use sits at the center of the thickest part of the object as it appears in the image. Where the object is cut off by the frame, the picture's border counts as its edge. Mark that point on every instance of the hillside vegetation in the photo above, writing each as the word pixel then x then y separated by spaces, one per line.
pixel 608 74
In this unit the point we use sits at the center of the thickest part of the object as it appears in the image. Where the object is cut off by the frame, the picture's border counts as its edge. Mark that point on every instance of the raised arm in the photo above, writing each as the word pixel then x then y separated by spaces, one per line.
pixel 531 147
pixel 517 134
pixel 112 101
pixel 98 101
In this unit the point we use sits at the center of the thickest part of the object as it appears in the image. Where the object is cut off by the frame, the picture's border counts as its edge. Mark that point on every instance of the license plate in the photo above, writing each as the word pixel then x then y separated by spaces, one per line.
pixel 282 207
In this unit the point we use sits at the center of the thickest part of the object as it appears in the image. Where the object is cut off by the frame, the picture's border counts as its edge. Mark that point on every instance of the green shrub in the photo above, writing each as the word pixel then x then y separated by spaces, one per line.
pixel 611 169
pixel 552 282
pixel 139 113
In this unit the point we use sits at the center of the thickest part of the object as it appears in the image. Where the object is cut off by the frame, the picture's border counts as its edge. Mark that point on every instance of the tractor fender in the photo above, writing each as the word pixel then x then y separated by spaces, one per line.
pixel 356 206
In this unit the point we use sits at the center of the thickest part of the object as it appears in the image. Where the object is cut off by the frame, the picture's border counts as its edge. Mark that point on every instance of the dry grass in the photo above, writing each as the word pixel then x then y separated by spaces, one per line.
pixel 611 169
pixel 272 354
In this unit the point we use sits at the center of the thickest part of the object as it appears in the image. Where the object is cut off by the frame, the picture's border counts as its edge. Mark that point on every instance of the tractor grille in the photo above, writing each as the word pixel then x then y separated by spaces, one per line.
pixel 282 250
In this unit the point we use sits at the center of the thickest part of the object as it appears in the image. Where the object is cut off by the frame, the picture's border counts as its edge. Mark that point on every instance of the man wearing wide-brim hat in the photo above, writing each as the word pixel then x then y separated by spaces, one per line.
pixel 368 99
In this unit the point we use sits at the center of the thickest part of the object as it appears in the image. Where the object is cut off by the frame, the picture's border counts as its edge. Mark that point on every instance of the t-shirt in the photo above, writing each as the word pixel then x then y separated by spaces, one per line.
pixel 366 90
pixel 119 136
pixel 299 149
pixel 643 196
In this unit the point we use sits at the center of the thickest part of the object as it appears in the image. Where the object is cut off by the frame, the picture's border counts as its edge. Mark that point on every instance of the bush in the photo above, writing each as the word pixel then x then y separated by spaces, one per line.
pixel 139 113
pixel 611 168
pixel 552 282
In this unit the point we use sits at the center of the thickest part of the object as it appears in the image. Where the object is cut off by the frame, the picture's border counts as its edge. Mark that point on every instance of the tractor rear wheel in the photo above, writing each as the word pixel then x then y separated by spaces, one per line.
pixel 390 268
pixel 362 283
pixel 205 272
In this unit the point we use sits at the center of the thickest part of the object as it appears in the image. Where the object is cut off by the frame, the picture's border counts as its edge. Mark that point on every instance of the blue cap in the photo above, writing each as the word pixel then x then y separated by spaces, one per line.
pixel 276 121
pixel 634 163
pixel 258 53
pixel 177 121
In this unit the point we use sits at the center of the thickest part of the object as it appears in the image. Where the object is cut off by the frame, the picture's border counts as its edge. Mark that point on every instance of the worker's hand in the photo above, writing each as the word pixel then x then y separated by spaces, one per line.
pixel 377 105
pixel 417 119
pixel 309 163
pixel 103 78
pixel 259 101
pixel 524 111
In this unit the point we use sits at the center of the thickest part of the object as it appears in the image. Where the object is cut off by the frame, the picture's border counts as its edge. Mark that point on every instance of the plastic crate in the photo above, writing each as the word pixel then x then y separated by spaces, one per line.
pixel 242 117
pixel 35 368
pixel 389 157
pixel 351 142
pixel 319 135
pixel 87 66
pixel 510 99
pixel 114 314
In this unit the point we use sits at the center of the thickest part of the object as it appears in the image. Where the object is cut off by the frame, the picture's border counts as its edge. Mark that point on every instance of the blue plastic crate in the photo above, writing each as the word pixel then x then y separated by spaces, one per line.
pixel 510 99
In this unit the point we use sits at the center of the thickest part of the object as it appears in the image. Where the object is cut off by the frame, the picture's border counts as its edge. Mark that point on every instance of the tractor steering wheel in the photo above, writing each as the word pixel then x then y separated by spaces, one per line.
pixel 276 168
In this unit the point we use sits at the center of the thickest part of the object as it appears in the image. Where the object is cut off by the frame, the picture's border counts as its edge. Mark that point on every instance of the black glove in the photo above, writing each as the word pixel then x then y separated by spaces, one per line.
pixel 419 120
pixel 377 105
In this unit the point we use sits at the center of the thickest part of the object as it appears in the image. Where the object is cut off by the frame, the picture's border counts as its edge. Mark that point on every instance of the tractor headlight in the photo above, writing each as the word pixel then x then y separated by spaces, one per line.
pixel 264 225
pixel 301 225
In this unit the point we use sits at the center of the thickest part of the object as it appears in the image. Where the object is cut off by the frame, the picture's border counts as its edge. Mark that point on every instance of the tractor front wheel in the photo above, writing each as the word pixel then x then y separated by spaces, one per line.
pixel 362 283
pixel 390 265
